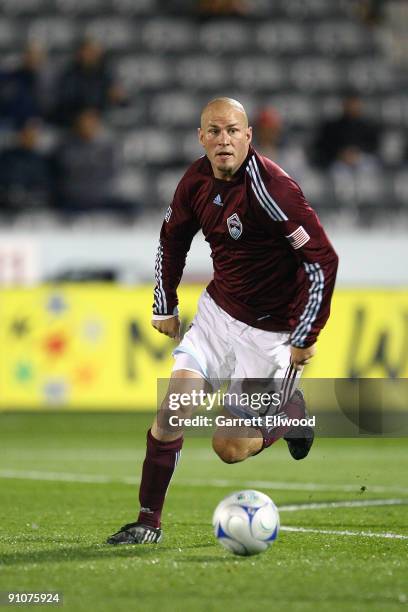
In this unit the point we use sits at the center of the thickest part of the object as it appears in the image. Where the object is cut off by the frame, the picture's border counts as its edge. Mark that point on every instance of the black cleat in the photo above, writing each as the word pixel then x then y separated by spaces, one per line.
pixel 300 445
pixel 299 439
pixel 136 533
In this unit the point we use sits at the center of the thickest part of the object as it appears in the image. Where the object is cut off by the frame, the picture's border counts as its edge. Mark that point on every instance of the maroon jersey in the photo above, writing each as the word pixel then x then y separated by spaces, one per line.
pixel 274 267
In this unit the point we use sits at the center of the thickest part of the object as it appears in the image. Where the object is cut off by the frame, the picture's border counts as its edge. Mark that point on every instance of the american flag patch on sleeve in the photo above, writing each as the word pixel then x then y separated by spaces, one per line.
pixel 298 238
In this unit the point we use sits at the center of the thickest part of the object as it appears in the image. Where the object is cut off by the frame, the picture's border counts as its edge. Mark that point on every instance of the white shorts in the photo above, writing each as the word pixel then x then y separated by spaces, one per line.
pixel 219 348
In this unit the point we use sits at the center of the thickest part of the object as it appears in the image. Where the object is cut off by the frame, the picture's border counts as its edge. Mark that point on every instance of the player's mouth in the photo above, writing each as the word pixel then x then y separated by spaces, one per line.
pixel 224 155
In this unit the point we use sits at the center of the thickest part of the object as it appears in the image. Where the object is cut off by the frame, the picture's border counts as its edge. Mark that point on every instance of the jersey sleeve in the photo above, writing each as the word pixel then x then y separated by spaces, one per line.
pixel 300 226
pixel 177 232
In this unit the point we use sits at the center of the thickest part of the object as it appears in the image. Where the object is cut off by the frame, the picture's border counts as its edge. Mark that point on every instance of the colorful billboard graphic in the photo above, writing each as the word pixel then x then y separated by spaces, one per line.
pixel 92 346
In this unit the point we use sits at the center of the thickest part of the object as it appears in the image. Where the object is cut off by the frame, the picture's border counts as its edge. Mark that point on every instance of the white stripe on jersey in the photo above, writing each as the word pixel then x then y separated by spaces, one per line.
pixel 157 296
pixel 259 196
pixel 160 296
pixel 261 193
pixel 316 278
pixel 279 211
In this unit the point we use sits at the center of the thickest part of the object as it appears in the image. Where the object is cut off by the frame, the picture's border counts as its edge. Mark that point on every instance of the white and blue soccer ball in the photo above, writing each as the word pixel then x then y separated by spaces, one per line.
pixel 246 522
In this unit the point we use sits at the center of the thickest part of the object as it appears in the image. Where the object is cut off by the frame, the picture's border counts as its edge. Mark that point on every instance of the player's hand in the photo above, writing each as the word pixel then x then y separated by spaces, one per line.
pixel 168 327
pixel 301 356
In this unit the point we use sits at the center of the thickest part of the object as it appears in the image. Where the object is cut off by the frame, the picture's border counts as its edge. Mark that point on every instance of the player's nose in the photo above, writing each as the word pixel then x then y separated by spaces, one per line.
pixel 224 137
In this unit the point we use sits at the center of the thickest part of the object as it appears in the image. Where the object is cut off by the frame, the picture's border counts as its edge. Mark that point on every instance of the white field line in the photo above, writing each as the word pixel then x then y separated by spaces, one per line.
pixel 58 476
pixel 86 454
pixel 363 503
pixel 100 478
pixel 218 483
pixel 293 486
pixel 360 534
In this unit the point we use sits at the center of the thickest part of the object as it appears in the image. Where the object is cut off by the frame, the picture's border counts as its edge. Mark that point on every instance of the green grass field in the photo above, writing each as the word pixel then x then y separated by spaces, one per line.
pixel 68 480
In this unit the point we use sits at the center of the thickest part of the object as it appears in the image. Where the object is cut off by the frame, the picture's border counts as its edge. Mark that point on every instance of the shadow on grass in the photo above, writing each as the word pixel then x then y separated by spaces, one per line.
pixel 67 554
pixel 200 559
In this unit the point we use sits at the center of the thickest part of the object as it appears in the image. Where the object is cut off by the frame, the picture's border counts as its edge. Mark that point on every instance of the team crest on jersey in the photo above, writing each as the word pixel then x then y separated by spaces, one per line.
pixel 234 226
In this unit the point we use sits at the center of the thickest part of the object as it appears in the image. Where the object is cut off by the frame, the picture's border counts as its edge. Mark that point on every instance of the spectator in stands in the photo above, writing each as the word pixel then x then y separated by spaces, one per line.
pixel 25 174
pixel 209 8
pixel 351 132
pixel 371 12
pixel 271 141
pixel 353 163
pixel 86 170
pixel 87 82
pixel 22 89
pixel 268 129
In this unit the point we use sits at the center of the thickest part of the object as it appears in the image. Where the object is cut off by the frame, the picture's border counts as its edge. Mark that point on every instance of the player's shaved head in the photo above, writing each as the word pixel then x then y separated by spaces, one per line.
pixel 225 136
pixel 221 105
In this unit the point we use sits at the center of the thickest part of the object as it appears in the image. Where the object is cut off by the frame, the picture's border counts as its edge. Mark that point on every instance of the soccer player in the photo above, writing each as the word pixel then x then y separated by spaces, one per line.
pixel 274 274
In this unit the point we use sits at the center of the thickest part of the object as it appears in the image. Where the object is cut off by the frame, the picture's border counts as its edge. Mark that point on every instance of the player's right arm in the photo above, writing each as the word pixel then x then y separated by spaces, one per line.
pixel 177 232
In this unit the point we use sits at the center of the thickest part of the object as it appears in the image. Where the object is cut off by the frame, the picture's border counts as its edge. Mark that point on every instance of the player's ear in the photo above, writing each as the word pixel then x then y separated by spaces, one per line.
pixel 249 134
pixel 200 133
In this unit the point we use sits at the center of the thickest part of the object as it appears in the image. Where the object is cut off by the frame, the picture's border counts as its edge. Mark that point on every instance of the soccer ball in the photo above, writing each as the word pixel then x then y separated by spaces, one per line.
pixel 246 522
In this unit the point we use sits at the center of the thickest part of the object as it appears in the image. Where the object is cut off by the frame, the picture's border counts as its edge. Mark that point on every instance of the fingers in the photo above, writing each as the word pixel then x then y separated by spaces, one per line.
pixel 168 327
pixel 301 356
pixel 299 365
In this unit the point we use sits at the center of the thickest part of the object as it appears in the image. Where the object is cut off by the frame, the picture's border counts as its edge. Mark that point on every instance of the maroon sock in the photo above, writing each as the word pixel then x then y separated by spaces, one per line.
pixel 294 408
pixel 158 467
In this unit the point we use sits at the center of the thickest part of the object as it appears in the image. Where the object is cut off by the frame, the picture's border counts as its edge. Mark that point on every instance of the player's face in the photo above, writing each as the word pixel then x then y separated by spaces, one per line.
pixel 225 136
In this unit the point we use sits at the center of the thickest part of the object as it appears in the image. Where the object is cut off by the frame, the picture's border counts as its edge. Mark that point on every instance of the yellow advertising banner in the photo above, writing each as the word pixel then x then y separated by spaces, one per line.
pixel 92 346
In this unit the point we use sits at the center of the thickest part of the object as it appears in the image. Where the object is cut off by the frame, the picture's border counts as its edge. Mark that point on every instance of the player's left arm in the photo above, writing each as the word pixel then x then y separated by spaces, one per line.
pixel 306 236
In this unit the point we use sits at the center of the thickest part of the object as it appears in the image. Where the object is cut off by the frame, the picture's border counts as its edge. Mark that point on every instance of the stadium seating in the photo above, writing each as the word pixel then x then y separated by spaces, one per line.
pixel 296 56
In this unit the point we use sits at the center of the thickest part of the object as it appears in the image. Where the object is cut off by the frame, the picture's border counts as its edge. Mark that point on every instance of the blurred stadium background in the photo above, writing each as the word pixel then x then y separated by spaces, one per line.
pixel 99 104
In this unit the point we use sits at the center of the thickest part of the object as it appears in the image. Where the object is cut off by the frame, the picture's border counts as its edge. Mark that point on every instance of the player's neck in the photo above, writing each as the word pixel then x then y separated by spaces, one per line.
pixel 224 176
